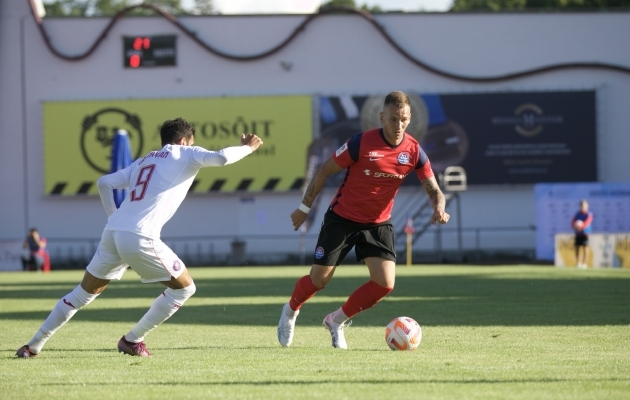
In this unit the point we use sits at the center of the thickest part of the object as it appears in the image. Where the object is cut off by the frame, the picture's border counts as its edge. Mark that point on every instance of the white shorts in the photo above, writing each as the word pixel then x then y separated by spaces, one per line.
pixel 153 260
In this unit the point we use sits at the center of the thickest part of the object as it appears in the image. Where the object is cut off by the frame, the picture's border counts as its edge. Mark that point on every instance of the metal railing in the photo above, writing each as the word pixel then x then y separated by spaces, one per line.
pixel 474 244
pixel 296 249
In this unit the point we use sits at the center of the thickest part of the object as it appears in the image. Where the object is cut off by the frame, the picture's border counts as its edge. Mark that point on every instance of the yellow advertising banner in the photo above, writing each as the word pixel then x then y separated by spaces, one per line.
pixel 78 139
pixel 604 250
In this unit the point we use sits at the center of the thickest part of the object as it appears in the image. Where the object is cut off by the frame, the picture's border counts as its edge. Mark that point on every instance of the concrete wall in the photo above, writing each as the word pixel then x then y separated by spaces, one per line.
pixel 334 55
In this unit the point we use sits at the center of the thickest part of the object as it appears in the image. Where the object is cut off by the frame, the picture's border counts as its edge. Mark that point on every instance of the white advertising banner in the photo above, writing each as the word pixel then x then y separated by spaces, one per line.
pixel 606 250
pixel 11 255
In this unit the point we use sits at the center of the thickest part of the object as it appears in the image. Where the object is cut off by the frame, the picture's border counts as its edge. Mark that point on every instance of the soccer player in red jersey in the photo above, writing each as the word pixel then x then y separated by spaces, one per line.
pixel 359 216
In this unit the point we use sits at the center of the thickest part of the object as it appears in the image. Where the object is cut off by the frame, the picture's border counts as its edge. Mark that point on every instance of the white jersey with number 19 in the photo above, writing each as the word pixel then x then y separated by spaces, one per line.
pixel 157 184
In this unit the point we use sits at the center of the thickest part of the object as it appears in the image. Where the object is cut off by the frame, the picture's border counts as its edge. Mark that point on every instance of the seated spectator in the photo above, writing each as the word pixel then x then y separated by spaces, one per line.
pixel 38 259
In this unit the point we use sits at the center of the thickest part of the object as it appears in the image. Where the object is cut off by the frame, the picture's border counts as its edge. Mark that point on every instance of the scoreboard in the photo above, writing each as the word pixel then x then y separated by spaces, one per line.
pixel 149 51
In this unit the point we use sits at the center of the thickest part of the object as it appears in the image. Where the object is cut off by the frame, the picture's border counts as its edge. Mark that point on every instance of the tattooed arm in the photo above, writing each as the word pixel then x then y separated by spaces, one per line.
pixel 437 200
pixel 329 167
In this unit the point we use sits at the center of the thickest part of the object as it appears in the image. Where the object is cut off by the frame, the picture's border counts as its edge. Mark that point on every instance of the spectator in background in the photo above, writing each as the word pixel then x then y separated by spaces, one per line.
pixel 37 251
pixel 581 224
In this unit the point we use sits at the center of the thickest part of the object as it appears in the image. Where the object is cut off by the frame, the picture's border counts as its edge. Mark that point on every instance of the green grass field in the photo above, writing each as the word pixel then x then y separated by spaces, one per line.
pixel 517 332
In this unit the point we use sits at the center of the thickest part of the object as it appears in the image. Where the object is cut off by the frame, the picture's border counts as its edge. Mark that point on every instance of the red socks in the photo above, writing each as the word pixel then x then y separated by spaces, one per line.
pixel 304 290
pixel 364 297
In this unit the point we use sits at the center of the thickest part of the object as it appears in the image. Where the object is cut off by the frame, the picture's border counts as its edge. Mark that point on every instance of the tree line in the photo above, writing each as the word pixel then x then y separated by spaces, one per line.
pixel 96 8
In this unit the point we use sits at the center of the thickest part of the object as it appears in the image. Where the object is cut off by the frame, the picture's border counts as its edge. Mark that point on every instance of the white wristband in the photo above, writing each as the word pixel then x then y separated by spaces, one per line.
pixel 304 208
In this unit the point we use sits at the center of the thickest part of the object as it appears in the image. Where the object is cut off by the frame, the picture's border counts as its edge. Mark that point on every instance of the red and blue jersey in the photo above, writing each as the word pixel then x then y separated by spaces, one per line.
pixel 374 171
pixel 586 218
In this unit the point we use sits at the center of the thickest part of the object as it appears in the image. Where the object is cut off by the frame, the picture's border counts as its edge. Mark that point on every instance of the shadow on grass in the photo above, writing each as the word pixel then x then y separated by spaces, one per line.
pixel 352 382
pixel 473 300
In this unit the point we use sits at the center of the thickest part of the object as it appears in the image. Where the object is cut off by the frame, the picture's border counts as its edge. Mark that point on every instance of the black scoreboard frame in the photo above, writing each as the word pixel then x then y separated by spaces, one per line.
pixel 149 51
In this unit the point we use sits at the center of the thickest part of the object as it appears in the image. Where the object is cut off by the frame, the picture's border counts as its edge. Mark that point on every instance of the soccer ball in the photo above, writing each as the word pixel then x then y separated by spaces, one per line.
pixel 403 333
pixel 578 224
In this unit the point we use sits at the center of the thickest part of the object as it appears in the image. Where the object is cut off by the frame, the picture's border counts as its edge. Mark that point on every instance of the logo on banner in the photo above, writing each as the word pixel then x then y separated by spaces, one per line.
pixel 528 119
pixel 98 132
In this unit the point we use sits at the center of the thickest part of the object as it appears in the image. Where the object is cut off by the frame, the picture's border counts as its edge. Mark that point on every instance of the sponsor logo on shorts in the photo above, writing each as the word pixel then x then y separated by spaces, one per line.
pixel 177 265
pixel 342 149
pixel 403 158
pixel 319 252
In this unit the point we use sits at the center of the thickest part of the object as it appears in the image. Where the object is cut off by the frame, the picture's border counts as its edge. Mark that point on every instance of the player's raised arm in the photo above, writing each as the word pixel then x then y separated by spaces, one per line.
pixel 230 155
pixel 251 140
pixel 329 167
pixel 437 200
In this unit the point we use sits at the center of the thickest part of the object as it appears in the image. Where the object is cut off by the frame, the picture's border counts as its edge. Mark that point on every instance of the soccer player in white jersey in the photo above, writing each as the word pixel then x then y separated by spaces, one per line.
pixel 157 185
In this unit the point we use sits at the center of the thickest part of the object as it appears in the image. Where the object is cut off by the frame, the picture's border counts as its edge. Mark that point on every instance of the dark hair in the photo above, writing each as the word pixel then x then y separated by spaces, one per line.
pixel 173 130
pixel 399 99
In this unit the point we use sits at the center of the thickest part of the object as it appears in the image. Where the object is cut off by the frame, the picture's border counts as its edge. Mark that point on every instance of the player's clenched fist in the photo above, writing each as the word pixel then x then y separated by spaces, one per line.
pixel 251 140
pixel 297 218
pixel 439 216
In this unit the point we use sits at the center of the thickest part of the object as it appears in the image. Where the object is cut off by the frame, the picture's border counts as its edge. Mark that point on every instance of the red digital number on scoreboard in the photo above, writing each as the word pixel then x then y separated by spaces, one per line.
pixel 149 51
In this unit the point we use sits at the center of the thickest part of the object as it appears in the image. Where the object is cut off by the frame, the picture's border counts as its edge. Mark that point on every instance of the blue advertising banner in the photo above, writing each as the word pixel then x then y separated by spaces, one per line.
pixel 498 138
pixel 557 203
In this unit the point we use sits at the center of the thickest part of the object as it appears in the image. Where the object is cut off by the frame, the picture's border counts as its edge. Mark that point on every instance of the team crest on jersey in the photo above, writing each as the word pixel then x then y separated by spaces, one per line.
pixel 177 265
pixel 342 149
pixel 319 252
pixel 403 157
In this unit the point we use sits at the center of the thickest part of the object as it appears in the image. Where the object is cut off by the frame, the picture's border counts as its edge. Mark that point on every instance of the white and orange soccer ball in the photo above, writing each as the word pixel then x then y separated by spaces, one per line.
pixel 403 333
pixel 578 225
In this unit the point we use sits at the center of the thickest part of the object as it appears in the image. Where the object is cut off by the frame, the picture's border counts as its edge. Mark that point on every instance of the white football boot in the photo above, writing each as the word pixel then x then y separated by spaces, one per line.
pixel 286 327
pixel 336 331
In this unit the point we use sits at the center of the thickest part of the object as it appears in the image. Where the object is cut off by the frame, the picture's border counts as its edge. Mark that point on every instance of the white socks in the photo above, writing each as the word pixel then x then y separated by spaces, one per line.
pixel 162 308
pixel 65 308
pixel 339 317
pixel 289 312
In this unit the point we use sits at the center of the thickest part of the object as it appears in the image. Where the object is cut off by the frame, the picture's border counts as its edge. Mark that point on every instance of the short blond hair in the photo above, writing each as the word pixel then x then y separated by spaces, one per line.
pixel 397 98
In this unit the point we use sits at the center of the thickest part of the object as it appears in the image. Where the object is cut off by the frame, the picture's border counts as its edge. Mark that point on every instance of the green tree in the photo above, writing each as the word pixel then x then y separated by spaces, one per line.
pixel 350 3
pixel 338 3
pixel 90 8
pixel 203 7
pixel 511 5
pixel 74 8
pixel 372 10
